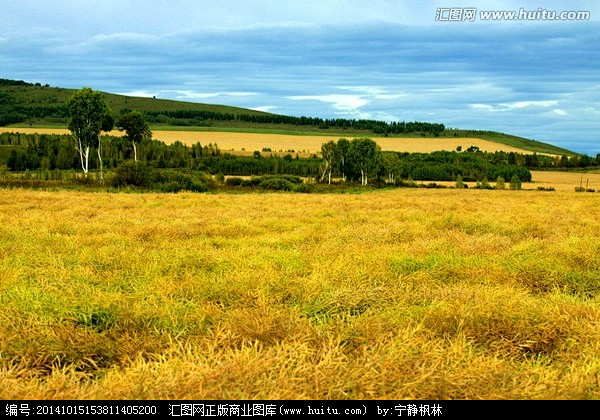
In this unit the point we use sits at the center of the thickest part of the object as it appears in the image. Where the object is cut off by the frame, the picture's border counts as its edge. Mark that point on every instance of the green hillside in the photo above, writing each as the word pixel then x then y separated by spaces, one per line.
pixel 24 104
pixel 40 104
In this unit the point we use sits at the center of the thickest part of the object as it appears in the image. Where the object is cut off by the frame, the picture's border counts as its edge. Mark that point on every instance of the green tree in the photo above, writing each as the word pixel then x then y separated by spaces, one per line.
pixel 136 128
pixel 500 183
pixel 391 164
pixel 66 155
pixel 459 182
pixel 343 145
pixel 515 183
pixel 89 116
pixel 365 156
pixel 330 154
pixel 485 183
pixel 108 123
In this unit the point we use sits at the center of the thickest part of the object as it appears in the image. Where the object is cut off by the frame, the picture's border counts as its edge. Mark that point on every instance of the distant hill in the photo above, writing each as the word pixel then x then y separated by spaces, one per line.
pixel 35 105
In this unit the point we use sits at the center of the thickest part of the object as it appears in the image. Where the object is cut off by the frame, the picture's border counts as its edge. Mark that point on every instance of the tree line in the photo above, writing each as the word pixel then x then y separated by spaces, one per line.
pixel 358 160
pixel 362 160
pixel 199 117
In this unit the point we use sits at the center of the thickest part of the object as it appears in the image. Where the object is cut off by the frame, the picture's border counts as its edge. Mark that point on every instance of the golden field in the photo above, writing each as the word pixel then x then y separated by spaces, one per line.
pixel 249 142
pixel 564 181
pixel 407 293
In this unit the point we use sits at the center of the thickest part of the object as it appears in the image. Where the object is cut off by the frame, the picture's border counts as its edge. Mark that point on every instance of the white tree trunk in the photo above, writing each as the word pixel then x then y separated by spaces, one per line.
pixel 80 150
pixel 84 156
pixel 87 161
pixel 325 169
pixel 134 152
pixel 100 160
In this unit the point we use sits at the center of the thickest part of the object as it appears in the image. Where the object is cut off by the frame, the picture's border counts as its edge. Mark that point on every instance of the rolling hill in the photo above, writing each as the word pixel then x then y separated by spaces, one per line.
pixel 24 104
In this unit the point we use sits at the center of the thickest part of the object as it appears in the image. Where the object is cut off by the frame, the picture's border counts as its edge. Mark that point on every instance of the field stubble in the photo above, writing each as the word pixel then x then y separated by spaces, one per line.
pixel 394 294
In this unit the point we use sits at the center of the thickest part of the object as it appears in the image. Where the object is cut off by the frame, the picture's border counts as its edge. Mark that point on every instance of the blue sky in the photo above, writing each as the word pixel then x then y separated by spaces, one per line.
pixel 383 59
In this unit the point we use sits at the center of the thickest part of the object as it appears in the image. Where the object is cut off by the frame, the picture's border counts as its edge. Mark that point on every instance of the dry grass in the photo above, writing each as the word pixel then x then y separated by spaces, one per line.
pixel 249 142
pixel 395 294
pixel 564 181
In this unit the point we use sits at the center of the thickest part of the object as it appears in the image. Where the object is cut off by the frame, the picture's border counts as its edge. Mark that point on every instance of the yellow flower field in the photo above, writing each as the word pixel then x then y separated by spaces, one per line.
pixel 407 293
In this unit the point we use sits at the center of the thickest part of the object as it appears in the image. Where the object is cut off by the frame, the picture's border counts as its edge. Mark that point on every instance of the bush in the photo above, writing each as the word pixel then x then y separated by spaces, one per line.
pixel 276 184
pixel 132 174
pixel 252 182
pixel 500 183
pixel 234 181
pixel 434 185
pixel 459 182
pixel 169 180
pixel 546 189
pixel 515 183
pixel 304 188
pixel 485 184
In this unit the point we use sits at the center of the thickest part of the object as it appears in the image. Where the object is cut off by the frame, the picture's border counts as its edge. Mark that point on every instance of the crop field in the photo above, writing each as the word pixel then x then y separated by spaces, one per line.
pixel 303 144
pixel 564 181
pixel 392 294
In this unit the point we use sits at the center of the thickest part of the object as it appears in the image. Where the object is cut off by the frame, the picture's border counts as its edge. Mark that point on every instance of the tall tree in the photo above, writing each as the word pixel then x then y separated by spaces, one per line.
pixel 330 154
pixel 343 145
pixel 88 112
pixel 365 155
pixel 108 123
pixel 391 164
pixel 136 128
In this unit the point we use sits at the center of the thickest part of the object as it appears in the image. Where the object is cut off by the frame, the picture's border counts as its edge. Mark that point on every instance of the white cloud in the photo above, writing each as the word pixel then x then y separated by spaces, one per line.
pixel 511 106
pixel 120 37
pixel 485 107
pixel 525 104
pixel 264 108
pixel 376 92
pixel 560 111
pixel 139 93
pixel 347 103
pixel 190 94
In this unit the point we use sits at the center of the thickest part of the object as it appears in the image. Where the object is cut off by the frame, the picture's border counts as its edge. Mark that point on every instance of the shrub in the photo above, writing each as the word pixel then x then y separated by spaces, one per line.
pixel 252 182
pixel 130 173
pixel 304 188
pixel 234 181
pixel 175 180
pixel 515 183
pixel 434 185
pixel 500 183
pixel 276 184
pixel 485 184
pixel 459 182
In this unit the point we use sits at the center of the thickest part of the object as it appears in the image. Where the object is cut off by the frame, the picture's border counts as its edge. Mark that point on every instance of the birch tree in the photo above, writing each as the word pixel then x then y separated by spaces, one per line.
pixel 391 163
pixel 330 154
pixel 365 155
pixel 107 124
pixel 343 145
pixel 89 114
pixel 136 128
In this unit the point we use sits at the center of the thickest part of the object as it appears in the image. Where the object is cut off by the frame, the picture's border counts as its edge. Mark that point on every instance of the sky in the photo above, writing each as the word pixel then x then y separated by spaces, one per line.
pixel 388 60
